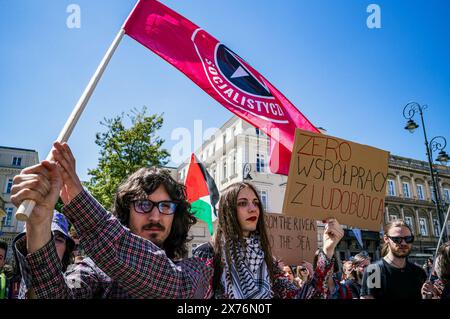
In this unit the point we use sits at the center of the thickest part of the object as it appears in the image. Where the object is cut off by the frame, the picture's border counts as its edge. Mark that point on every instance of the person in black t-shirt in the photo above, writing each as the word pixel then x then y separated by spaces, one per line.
pixel 394 277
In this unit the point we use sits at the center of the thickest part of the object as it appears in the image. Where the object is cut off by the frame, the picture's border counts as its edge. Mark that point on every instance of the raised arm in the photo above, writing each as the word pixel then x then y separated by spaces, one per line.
pixel 141 268
pixel 314 288
pixel 36 252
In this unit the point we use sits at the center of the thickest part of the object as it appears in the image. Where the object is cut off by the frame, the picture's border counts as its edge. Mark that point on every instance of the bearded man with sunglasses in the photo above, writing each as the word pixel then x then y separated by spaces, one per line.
pixel 394 277
pixel 138 251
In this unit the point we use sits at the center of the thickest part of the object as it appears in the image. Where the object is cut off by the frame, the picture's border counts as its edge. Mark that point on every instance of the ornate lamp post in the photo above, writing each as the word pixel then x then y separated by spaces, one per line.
pixel 438 143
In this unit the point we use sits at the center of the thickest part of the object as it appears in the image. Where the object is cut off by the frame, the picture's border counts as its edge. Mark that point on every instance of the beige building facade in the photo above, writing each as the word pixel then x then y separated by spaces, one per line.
pixel 12 161
pixel 238 151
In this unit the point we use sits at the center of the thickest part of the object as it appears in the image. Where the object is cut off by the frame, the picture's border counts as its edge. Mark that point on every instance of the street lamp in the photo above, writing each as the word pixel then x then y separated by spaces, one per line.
pixel 438 143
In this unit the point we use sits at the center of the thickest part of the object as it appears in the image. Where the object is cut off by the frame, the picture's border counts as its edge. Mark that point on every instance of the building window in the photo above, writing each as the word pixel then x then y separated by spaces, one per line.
pixel 7 220
pixel 224 169
pixel 409 222
pixel 8 186
pixel 433 194
pixel 406 192
pixel 420 194
pixel 423 226
pixel 233 164
pixel 257 131
pixel 260 163
pixel 213 171
pixel 447 195
pixel 224 149
pixel 17 161
pixel 391 187
pixel 392 218
pixel 436 228
pixel 264 199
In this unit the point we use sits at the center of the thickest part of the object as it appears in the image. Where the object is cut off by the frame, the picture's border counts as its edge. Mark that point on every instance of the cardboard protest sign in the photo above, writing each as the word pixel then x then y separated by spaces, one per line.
pixel 332 177
pixel 293 239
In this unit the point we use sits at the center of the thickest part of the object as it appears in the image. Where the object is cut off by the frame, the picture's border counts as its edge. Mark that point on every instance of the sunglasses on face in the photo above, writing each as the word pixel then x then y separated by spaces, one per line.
pixel 398 240
pixel 302 269
pixel 145 206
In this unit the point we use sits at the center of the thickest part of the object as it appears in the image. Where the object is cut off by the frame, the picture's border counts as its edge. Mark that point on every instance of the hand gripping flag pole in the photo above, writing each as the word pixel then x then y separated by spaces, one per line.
pixel 25 209
pixel 439 242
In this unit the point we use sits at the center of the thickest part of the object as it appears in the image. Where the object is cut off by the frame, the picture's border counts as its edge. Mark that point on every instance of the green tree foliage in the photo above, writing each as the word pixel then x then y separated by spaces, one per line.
pixel 124 150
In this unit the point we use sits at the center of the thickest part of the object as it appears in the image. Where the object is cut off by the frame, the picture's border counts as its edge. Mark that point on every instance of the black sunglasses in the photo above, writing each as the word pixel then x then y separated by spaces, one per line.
pixel 398 240
pixel 302 269
pixel 145 206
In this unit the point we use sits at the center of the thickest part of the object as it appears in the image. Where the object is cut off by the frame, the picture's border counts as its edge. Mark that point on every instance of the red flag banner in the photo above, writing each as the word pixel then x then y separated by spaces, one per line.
pixel 221 73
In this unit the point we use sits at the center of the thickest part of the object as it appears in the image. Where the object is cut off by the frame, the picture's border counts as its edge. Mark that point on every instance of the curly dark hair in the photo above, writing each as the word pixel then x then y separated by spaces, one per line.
pixel 229 232
pixel 141 184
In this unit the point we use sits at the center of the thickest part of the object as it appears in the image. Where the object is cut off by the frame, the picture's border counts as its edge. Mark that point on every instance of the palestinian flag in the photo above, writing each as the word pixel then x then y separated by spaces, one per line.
pixel 202 193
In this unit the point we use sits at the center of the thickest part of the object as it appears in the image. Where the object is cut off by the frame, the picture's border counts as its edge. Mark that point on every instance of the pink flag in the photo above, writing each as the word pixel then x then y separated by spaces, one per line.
pixel 221 73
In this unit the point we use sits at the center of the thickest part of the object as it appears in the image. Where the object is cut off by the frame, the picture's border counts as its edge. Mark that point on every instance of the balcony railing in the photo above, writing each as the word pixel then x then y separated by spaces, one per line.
pixel 419 165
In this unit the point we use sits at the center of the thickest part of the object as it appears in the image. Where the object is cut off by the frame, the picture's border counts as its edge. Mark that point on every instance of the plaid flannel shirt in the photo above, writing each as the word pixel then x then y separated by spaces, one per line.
pixel 42 271
pixel 139 266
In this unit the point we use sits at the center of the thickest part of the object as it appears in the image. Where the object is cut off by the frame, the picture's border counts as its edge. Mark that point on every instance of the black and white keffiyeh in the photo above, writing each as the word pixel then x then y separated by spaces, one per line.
pixel 248 277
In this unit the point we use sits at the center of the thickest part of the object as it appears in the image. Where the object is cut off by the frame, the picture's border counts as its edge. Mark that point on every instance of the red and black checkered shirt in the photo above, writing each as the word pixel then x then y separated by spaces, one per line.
pixel 131 266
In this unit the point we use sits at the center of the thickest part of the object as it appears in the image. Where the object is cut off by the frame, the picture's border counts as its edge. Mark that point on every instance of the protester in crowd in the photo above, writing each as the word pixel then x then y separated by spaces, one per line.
pixel 4 271
pixel 333 287
pixel 428 267
pixel 64 245
pixel 3 251
pixel 304 273
pixel 347 270
pixel 354 272
pixel 439 289
pixel 288 273
pixel 243 262
pixel 394 277
pixel 142 248
pixel 9 280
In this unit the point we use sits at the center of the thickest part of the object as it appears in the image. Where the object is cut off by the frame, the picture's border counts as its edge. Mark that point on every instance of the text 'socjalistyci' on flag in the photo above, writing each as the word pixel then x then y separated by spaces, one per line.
pixel 221 73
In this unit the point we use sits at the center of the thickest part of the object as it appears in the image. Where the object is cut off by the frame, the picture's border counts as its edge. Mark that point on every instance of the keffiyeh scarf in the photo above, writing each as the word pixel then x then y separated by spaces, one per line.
pixel 248 277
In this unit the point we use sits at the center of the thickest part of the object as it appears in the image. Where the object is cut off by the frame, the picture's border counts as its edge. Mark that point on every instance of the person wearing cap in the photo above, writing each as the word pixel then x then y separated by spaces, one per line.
pixel 64 245
pixel 141 247
pixel 355 271
pixel 80 280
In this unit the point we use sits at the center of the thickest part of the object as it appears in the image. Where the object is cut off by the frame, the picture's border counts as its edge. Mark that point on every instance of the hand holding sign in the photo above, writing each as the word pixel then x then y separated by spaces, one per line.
pixel 329 176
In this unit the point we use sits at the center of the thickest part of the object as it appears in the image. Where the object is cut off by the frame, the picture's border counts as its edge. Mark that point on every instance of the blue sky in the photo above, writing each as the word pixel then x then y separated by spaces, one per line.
pixel 351 80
